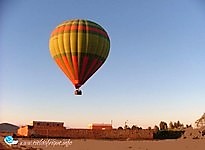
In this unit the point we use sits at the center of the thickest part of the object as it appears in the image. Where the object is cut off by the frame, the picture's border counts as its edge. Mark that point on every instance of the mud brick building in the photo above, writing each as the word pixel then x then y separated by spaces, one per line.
pixel 40 128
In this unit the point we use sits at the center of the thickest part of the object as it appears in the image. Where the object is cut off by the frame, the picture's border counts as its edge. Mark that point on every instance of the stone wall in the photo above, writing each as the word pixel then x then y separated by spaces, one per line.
pixel 93 134
pixel 57 130
pixel 109 134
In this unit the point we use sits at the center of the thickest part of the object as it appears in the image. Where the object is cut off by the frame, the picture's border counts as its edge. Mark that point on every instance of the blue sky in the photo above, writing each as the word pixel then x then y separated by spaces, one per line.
pixel 155 69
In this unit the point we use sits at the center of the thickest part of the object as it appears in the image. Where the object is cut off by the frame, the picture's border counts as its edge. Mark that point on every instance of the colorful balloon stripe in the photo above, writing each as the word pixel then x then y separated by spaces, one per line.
pixel 79 48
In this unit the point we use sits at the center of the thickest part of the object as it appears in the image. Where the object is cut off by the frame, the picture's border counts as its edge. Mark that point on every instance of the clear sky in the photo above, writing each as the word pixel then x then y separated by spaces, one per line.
pixel 155 70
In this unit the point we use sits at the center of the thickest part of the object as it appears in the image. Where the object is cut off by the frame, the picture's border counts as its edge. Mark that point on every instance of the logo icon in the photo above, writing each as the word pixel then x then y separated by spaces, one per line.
pixel 9 140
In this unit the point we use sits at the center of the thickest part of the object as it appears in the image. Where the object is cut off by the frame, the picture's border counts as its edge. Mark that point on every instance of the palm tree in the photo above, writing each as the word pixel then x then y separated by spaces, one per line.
pixel 163 125
pixel 171 126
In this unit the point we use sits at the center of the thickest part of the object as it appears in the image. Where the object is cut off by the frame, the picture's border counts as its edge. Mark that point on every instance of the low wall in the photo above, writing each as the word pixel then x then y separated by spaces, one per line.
pixel 110 134
pixel 95 134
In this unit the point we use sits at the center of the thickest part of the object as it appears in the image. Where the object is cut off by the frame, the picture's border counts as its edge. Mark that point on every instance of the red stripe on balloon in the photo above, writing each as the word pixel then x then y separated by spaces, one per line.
pixel 97 65
pixel 78 28
pixel 90 70
pixel 83 68
pixel 75 67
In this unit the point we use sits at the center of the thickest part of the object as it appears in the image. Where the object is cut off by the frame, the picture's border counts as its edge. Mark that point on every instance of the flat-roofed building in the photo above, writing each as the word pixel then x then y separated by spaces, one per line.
pixel 42 128
pixel 100 126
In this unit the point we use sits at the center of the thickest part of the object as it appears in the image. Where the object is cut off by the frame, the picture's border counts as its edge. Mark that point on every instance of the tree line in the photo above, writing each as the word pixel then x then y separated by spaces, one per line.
pixel 162 126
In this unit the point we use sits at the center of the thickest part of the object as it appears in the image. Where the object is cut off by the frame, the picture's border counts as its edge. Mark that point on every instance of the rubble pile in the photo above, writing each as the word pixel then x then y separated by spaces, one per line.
pixel 198 133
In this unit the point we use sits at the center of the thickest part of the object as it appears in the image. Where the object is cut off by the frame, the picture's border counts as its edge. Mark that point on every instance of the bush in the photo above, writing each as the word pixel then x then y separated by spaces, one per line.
pixel 120 128
pixel 168 134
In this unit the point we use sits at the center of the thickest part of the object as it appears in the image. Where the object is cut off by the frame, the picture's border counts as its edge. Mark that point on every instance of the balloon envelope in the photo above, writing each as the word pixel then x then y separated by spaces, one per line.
pixel 79 47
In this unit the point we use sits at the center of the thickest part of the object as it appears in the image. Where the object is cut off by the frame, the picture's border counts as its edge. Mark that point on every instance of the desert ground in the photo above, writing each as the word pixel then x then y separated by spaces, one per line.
pixel 40 144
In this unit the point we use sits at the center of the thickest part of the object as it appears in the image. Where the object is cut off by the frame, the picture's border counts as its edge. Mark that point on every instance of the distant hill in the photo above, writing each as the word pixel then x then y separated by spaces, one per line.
pixel 7 127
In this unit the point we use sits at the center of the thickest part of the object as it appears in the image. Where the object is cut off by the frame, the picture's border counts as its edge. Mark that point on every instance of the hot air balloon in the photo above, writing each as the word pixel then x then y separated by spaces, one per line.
pixel 79 47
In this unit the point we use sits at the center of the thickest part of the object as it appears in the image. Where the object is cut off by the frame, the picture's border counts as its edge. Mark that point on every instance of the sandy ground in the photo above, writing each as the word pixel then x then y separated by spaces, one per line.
pixel 54 144
pixel 138 145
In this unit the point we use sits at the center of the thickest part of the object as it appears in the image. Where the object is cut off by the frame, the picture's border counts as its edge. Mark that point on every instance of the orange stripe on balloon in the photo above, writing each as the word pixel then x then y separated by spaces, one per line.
pixel 62 67
pixel 68 66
